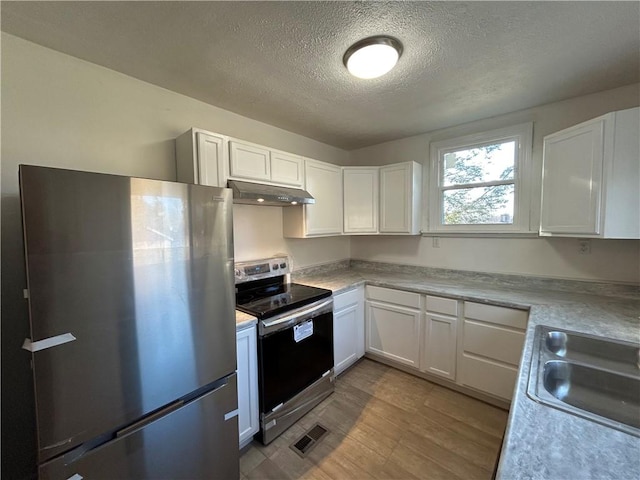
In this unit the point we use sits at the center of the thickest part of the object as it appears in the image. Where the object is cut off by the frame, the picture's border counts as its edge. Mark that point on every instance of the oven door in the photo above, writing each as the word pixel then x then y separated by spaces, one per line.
pixel 294 350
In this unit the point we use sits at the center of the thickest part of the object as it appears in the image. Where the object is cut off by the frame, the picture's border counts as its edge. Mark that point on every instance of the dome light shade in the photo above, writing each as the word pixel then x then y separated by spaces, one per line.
pixel 372 57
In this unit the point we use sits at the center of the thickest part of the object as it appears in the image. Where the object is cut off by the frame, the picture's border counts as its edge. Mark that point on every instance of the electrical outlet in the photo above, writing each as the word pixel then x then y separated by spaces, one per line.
pixel 584 247
pixel 436 242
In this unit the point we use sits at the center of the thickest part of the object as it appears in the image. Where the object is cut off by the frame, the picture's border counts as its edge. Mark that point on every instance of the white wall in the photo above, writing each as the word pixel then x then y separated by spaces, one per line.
pixel 63 112
pixel 60 111
pixel 265 224
pixel 611 260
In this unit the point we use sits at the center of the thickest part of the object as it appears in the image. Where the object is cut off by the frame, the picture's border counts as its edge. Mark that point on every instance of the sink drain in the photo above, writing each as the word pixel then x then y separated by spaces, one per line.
pixel 310 439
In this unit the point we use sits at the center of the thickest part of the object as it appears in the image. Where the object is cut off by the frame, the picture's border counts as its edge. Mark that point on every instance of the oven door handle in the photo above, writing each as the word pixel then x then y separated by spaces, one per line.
pixel 297 314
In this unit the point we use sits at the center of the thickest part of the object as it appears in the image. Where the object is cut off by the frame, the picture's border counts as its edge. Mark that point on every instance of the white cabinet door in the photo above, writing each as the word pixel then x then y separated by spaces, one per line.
pixel 345 336
pixel 591 179
pixel 286 169
pixel 439 352
pixel 211 160
pixel 488 376
pixel 490 348
pixel 348 328
pixel 572 179
pixel 360 190
pixel 400 198
pixel 201 158
pixel 324 183
pixel 249 161
pixel 323 218
pixel 247 384
pixel 393 332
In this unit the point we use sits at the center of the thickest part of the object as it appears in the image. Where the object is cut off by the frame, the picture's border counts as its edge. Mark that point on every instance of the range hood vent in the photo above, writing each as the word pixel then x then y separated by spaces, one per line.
pixel 260 194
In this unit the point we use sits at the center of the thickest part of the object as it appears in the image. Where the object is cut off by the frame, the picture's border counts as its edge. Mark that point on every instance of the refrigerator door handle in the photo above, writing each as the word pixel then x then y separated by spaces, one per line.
pixel 231 414
pixel 149 418
pixel 47 342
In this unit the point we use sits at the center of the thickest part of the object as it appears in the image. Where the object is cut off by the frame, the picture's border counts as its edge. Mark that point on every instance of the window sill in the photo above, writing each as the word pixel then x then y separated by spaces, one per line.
pixel 481 234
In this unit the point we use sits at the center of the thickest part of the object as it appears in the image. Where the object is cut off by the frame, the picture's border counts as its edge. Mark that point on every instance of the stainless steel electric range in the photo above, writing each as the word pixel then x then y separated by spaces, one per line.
pixel 295 342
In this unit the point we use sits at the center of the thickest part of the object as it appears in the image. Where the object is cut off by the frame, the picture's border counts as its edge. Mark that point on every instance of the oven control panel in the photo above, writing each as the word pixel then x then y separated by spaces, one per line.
pixel 259 269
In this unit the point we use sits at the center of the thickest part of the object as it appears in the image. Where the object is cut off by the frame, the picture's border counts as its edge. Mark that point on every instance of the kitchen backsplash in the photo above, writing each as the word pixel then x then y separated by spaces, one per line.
pixel 494 279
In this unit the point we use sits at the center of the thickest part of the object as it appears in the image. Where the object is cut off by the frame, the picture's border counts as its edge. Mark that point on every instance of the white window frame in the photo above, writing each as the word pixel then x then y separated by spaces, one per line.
pixel 522 134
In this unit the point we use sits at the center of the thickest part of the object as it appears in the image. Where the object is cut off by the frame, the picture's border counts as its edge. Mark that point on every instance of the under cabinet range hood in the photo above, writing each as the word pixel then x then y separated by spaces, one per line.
pixel 260 194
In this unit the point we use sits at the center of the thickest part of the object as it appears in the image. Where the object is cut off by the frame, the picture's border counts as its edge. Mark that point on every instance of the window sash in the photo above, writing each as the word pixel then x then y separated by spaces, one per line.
pixel 522 136
pixel 443 152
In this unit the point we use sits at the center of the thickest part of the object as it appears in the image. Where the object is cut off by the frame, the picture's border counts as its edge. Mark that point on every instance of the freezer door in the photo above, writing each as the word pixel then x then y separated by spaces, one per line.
pixel 140 272
pixel 193 442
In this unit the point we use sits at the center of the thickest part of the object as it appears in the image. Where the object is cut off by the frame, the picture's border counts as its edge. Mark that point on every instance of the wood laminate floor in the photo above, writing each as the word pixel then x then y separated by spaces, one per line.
pixel 386 424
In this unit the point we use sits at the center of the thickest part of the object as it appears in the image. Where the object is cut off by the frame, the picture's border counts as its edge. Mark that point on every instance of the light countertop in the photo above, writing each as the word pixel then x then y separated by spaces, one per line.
pixel 244 320
pixel 540 442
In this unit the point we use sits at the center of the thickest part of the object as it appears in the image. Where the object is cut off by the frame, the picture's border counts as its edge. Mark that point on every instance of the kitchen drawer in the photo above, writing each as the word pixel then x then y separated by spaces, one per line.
pixel 493 341
pixel 487 376
pixel 345 299
pixel 447 306
pixel 509 317
pixel 389 295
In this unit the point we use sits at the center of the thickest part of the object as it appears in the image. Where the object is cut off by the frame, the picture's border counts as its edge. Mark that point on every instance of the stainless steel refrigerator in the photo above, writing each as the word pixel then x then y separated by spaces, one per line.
pixel 131 304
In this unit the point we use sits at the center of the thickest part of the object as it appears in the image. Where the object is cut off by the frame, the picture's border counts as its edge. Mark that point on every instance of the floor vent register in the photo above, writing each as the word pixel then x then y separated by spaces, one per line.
pixel 310 439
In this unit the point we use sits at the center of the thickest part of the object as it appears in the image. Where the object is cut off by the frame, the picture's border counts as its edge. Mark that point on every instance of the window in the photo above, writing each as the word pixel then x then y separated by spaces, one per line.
pixel 478 182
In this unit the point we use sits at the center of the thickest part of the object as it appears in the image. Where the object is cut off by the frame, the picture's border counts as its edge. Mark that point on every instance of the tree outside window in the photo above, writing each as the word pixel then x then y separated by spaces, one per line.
pixel 476 182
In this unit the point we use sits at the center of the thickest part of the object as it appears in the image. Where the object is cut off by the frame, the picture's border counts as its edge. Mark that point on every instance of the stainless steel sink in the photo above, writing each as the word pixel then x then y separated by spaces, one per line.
pixel 588 376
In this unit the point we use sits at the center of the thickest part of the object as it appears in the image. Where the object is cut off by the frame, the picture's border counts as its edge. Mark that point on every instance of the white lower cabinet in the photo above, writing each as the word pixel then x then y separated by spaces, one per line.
pixel 467 344
pixel 247 353
pixel 492 341
pixel 393 325
pixel 348 328
pixel 439 348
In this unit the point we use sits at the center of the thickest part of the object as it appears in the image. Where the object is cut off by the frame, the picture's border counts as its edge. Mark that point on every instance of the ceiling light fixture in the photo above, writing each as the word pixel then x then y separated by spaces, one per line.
pixel 372 57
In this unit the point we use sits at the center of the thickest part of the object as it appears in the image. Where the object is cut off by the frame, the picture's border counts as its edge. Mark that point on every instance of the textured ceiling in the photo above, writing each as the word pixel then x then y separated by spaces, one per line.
pixel 281 62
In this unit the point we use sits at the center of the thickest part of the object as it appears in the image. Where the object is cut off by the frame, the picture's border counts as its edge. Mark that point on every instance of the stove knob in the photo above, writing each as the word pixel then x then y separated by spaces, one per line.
pixel 275 266
pixel 283 265
pixel 237 272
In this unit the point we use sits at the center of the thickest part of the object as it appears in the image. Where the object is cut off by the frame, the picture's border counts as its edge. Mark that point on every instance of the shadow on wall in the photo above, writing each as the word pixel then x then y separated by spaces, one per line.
pixel 407 247
pixel 18 401
pixel 592 256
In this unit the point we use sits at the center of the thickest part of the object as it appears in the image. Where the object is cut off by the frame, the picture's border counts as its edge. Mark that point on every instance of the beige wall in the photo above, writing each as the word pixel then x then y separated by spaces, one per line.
pixel 258 234
pixel 613 260
pixel 60 111
pixel 63 112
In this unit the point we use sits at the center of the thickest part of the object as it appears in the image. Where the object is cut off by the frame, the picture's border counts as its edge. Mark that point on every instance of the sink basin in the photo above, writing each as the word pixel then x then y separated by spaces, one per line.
pixel 610 354
pixel 588 376
pixel 603 393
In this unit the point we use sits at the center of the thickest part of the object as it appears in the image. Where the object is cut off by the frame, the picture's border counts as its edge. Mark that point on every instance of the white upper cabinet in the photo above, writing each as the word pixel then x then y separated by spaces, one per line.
pixel 201 158
pixel 286 168
pixel 323 218
pixel 591 179
pixel 360 190
pixel 400 198
pixel 248 161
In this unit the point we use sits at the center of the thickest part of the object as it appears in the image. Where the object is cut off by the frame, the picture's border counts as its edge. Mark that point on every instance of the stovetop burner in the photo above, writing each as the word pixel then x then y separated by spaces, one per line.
pixel 271 300
pixel 262 289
